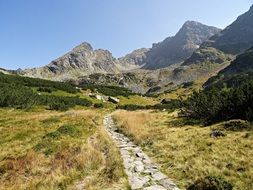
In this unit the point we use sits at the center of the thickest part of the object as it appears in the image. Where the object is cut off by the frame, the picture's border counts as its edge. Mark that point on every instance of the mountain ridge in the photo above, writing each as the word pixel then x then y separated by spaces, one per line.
pixel 83 60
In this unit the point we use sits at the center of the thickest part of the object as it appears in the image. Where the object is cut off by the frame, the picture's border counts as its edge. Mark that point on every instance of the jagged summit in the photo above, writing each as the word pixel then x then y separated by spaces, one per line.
pixel 84 46
pixel 80 61
pixel 179 47
pixel 237 37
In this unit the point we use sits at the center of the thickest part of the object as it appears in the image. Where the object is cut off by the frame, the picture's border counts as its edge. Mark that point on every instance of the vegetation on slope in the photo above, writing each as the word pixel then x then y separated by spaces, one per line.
pixel 43 149
pixel 35 82
pixel 188 153
pixel 235 74
pixel 221 104
pixel 109 90
pixel 17 92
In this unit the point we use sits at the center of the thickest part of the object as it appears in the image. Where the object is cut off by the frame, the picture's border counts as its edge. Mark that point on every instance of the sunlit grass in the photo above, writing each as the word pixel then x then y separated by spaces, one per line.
pixel 42 149
pixel 187 153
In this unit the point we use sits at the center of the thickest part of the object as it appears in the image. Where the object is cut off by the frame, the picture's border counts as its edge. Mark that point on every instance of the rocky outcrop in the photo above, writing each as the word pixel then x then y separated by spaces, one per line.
pixel 233 40
pixel 237 37
pixel 134 60
pixel 208 54
pixel 142 173
pixel 178 48
pixel 81 61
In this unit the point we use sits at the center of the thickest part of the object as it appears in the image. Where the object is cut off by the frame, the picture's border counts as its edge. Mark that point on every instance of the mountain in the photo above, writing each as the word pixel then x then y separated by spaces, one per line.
pixel 178 48
pixel 237 37
pixel 84 61
pixel 221 51
pixel 134 60
pixel 80 61
pixel 233 40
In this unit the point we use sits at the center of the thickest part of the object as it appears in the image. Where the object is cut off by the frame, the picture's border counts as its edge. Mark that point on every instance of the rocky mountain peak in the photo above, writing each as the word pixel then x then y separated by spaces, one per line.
pixel 179 47
pixel 196 32
pixel 83 47
pixel 237 37
pixel 190 23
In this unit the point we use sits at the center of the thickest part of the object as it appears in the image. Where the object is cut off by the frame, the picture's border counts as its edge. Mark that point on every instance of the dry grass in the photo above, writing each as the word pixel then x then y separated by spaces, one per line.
pixel 186 152
pixel 43 149
pixel 136 99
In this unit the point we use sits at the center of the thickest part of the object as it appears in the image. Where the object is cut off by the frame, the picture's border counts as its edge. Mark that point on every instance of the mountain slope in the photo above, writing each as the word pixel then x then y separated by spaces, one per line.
pixel 239 71
pixel 80 61
pixel 134 60
pixel 242 63
pixel 233 40
pixel 237 37
pixel 179 47
pixel 84 61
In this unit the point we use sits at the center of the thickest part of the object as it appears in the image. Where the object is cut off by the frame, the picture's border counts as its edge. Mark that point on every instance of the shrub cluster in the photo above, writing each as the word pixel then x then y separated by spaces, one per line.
pixel 16 96
pixel 45 89
pixel 211 183
pixel 174 104
pixel 35 82
pixel 109 90
pixel 215 105
pixel 15 92
pixel 62 103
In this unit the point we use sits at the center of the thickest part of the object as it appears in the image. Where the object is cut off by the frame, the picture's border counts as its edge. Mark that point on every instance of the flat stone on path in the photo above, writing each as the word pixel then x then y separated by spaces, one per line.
pixel 159 176
pixel 155 187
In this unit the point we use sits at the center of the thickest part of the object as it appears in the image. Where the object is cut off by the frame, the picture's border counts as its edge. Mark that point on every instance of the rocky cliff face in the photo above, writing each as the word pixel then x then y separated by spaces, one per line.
pixel 233 40
pixel 81 61
pixel 134 60
pixel 237 37
pixel 179 47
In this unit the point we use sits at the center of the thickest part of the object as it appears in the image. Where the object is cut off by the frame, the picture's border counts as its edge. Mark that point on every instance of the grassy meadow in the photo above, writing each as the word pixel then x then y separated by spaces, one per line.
pixel 42 149
pixel 187 152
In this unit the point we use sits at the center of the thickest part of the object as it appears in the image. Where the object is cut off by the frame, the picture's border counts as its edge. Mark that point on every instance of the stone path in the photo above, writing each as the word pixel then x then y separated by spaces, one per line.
pixel 141 172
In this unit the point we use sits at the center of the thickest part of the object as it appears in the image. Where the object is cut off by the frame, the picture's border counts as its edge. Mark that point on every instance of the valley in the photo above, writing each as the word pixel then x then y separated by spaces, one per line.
pixel 177 115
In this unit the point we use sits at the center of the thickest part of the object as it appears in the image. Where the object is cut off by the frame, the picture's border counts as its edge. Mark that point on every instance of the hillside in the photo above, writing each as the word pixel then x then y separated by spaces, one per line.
pixel 237 72
pixel 237 37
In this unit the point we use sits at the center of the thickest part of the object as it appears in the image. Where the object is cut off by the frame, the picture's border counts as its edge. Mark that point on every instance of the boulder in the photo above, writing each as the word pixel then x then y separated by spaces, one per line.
pixel 166 101
pixel 217 133
pixel 113 100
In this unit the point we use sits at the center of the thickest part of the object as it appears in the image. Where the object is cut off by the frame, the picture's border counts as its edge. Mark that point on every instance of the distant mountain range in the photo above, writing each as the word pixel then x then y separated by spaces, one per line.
pixel 83 60
pixel 195 51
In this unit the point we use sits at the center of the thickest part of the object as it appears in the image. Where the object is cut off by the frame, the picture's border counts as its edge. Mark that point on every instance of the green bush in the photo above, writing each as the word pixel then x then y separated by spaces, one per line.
pixel 70 130
pixel 62 103
pixel 45 89
pixel 130 107
pixel 109 90
pixel 98 105
pixel 16 96
pixel 59 106
pixel 211 183
pixel 215 105
pixel 35 82
pixel 174 104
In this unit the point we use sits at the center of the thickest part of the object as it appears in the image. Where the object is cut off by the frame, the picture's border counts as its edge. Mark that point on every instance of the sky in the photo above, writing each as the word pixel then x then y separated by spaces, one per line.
pixel 35 32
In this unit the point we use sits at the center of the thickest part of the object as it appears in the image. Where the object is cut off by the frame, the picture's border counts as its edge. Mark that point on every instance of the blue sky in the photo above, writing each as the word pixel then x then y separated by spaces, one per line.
pixel 34 32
